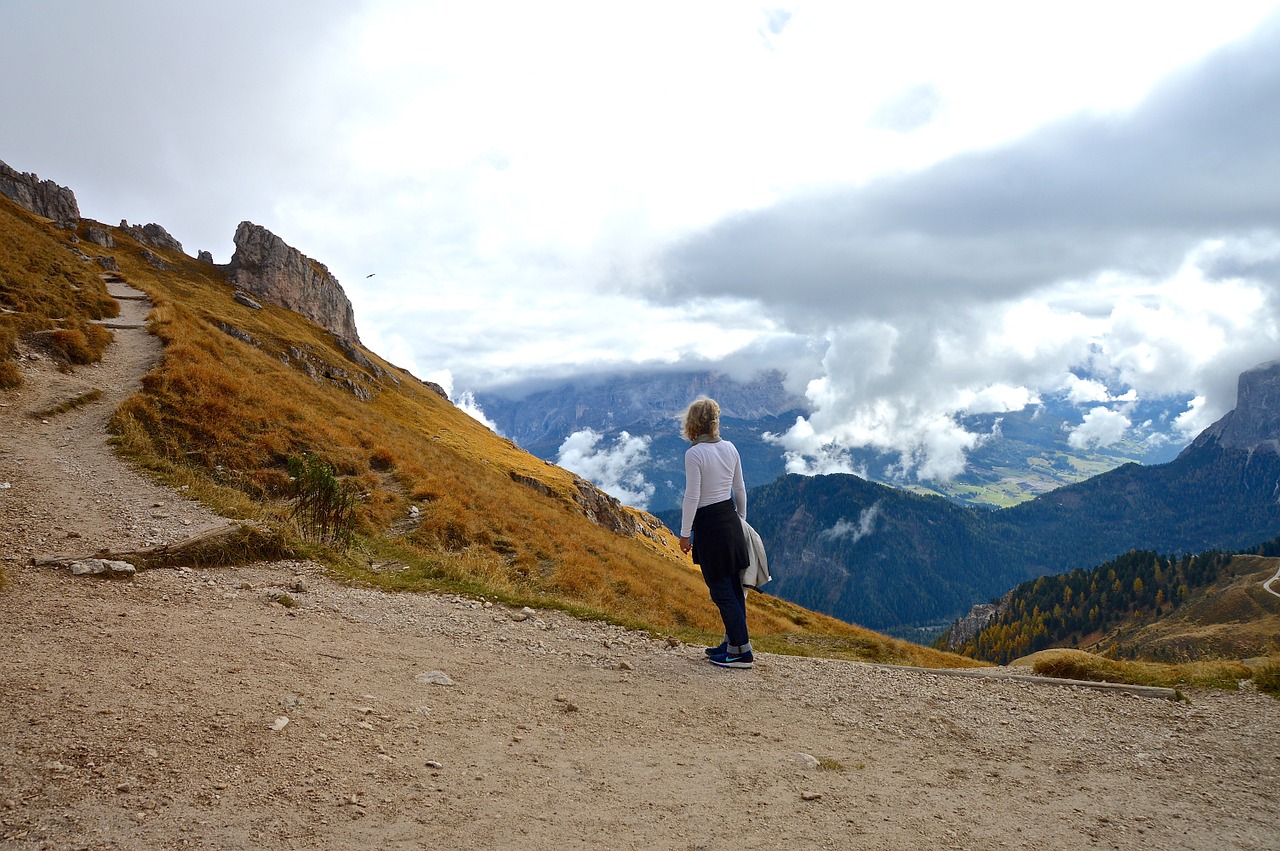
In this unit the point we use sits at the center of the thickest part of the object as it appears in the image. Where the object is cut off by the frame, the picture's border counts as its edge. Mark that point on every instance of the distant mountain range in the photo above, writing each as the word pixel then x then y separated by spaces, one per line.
pixel 650 406
pixel 1028 452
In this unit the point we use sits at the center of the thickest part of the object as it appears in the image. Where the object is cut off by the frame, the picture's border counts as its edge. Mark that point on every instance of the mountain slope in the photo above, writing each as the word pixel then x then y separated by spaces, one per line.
pixel 243 388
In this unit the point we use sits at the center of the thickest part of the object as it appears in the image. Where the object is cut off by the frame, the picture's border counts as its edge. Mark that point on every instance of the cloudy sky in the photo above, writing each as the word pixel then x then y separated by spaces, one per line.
pixel 918 210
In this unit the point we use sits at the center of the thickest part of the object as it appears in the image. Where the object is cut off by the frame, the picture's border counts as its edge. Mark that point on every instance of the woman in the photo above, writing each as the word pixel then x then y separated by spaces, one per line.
pixel 715 504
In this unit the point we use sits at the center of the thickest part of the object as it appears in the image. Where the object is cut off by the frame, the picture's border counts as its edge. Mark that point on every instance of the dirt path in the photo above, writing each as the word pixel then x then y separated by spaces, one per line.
pixel 190 709
pixel 1266 586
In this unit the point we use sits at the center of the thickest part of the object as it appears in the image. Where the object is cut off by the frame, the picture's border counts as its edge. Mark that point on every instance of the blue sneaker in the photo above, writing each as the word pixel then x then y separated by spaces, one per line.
pixel 732 660
pixel 722 647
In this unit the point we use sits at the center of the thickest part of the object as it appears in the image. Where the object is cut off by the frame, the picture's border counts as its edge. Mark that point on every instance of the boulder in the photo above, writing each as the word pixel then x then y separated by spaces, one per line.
pixel 151 234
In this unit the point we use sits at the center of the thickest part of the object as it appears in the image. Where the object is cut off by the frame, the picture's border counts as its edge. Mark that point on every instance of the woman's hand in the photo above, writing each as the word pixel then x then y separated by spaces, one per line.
pixel 685 544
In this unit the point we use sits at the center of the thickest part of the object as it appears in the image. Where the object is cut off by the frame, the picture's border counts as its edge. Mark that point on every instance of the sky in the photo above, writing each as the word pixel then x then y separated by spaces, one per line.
pixel 917 210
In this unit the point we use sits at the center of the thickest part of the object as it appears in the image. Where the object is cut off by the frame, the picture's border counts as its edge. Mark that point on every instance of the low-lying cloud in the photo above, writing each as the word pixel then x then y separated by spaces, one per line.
pixel 614 469
pixel 1101 427
pixel 855 532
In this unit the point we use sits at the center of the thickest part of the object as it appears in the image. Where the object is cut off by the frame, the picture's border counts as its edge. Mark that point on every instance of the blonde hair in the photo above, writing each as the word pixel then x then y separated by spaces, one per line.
pixel 702 417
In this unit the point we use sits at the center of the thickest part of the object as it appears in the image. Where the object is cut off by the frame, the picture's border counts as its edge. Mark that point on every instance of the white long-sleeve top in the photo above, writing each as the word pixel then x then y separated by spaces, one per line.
pixel 712 473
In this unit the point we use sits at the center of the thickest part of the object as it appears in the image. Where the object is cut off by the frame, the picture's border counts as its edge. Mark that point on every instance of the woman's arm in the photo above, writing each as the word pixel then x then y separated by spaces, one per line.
pixel 739 487
pixel 692 493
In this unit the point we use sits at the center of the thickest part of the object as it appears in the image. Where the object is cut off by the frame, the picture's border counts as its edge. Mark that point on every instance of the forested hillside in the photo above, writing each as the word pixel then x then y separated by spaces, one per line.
pixel 1079 608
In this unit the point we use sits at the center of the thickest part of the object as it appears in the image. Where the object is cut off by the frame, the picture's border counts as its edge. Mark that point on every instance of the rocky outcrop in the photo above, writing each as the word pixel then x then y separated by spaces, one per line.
pixel 975 622
pixel 42 197
pixel 604 510
pixel 155 260
pixel 98 236
pixel 151 234
pixel 1254 424
pixel 267 268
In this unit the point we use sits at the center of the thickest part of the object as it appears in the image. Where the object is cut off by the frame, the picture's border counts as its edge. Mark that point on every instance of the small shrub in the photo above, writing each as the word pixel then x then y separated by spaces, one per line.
pixel 323 506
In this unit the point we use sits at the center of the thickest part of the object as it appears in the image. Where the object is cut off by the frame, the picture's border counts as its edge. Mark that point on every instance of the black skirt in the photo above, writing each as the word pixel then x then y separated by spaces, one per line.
pixel 719 544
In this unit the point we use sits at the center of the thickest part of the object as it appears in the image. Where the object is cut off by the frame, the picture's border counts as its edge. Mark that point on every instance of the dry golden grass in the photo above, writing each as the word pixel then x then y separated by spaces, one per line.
pixel 239 391
pixel 48 297
pixel 1266 675
pixel 1079 665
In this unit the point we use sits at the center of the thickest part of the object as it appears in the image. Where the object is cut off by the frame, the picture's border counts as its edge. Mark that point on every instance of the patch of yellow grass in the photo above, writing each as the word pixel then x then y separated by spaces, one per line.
pixel 1079 665
pixel 1266 674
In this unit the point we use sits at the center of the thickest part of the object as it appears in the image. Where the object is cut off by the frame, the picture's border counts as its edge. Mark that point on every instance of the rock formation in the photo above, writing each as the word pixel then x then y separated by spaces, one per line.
pixel 98 236
pixel 264 266
pixel 974 622
pixel 42 197
pixel 1254 424
pixel 151 234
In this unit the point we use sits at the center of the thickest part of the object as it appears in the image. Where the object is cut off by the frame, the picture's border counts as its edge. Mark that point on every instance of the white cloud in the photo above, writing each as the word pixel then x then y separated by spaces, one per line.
pixel 1083 390
pixel 1195 419
pixel 467 403
pixel 898 384
pixel 612 469
pixel 854 531
pixel 1101 427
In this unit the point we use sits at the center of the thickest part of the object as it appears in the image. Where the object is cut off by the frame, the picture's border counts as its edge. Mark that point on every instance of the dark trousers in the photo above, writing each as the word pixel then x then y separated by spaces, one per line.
pixel 720 549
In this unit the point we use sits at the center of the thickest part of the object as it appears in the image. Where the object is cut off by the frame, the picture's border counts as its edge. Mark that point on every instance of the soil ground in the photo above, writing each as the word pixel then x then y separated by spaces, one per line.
pixel 199 709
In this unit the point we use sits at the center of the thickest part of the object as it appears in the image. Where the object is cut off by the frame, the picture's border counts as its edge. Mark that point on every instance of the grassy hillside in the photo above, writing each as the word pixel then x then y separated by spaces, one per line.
pixel 441 503
pixel 48 295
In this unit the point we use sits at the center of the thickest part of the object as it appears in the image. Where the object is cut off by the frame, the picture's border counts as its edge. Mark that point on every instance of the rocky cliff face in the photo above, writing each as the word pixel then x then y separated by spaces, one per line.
pixel 42 197
pixel 264 266
pixel 1254 424
pixel 973 623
